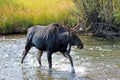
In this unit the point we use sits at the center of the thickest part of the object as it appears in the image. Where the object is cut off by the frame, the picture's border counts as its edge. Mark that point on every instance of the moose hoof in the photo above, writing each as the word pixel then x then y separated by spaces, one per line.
pixel 21 62
pixel 73 70
pixel 50 70
pixel 41 65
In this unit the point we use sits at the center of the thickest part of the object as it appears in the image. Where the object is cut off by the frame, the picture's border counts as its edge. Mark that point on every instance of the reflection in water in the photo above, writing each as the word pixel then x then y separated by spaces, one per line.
pixel 99 60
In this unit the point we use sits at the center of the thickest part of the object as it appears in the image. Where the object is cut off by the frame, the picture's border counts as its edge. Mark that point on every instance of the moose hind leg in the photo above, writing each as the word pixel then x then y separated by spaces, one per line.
pixel 67 55
pixel 40 52
pixel 27 48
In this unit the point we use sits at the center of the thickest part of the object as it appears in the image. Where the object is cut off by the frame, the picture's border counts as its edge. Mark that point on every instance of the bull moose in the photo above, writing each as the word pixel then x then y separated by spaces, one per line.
pixel 51 38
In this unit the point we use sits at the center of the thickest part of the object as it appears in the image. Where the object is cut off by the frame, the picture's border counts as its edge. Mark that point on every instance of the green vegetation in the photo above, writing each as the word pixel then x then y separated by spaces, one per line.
pixel 102 17
pixel 104 10
pixel 17 15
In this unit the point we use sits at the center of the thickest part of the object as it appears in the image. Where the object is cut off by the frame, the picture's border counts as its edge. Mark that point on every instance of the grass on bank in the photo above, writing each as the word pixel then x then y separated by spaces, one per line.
pixel 18 15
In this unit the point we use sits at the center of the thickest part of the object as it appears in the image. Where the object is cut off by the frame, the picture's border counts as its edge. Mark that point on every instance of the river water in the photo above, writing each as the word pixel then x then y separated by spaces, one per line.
pixel 99 60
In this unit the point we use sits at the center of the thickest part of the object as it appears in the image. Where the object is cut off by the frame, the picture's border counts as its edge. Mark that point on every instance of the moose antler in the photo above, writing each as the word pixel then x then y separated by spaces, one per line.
pixel 79 26
pixel 65 24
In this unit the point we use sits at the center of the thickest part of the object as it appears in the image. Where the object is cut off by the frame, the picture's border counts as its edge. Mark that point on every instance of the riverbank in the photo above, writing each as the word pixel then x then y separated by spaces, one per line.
pixel 16 16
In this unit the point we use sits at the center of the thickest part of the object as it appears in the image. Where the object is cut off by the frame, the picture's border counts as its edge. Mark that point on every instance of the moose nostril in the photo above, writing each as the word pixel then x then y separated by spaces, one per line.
pixel 80 46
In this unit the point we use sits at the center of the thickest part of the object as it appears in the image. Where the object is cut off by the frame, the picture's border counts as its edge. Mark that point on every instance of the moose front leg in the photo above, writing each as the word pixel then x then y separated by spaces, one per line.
pixel 67 55
pixel 49 57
